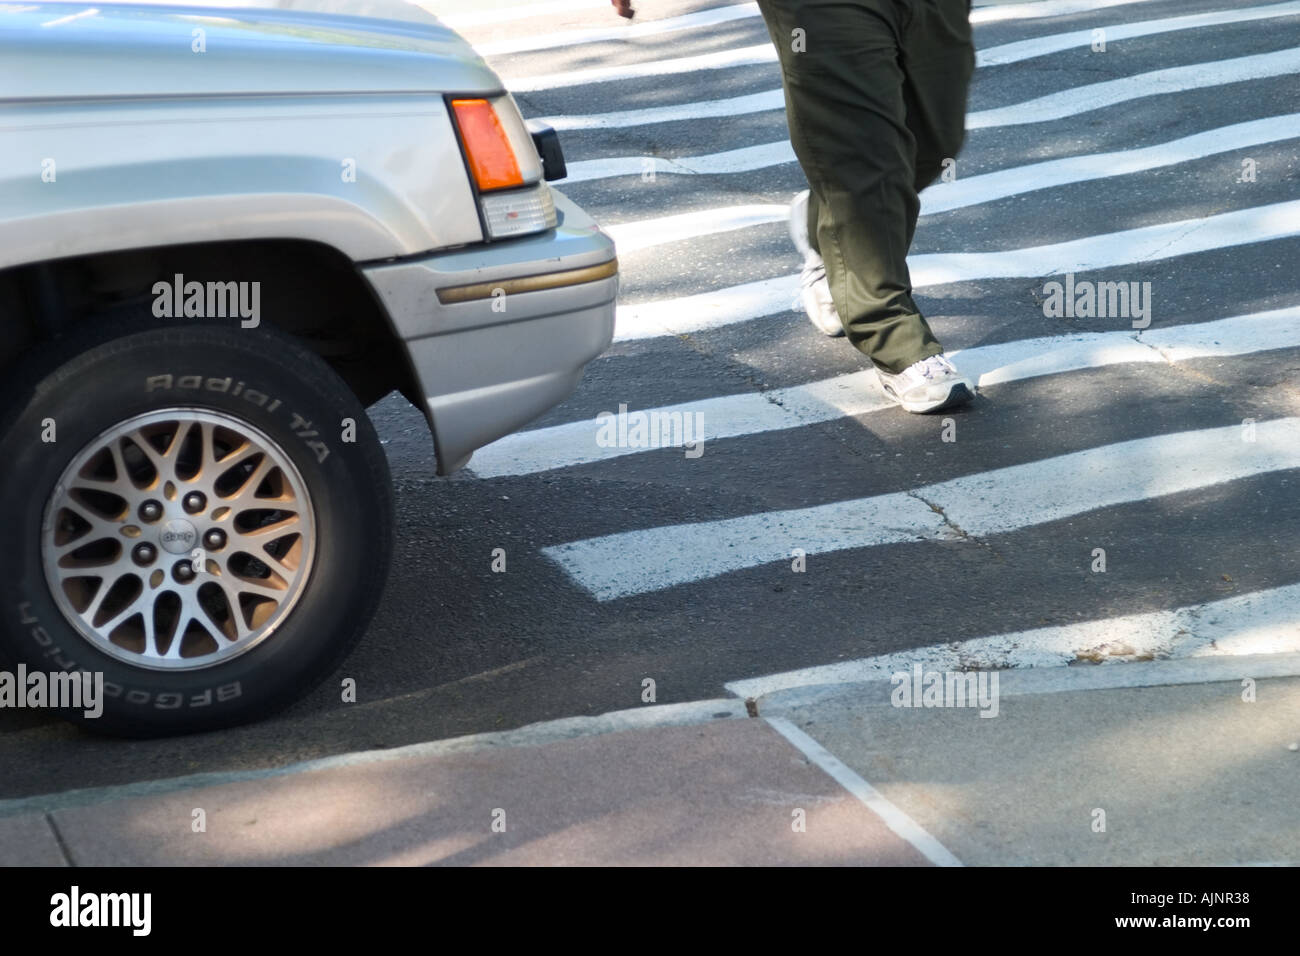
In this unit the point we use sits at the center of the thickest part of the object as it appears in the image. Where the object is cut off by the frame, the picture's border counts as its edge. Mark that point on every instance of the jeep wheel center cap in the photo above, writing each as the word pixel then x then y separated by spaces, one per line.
pixel 178 536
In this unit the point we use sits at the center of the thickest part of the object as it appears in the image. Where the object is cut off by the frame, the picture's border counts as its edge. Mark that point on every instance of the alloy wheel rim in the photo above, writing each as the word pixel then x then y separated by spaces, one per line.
pixel 178 539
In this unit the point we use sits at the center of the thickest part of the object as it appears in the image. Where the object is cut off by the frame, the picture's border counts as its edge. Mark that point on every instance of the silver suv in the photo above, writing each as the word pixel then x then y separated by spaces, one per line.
pixel 223 234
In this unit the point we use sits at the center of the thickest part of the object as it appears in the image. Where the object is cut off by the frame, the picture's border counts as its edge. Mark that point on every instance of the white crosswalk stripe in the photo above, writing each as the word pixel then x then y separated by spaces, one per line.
pixel 647 233
pixel 721 60
pixel 738 160
pixel 972 190
pixel 1042 46
pixel 648 116
pixel 1042 9
pixel 1262 622
pixel 979 505
pixel 1175 79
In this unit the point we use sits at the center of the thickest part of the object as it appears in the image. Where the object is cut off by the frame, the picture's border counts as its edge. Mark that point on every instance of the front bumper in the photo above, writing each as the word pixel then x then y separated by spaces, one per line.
pixel 499 333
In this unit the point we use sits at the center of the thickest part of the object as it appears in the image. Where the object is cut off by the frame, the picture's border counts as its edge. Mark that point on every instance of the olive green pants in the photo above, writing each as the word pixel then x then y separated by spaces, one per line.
pixel 875 97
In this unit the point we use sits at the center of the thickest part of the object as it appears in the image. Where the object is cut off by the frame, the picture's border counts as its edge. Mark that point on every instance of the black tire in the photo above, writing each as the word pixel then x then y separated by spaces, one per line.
pixel 106 374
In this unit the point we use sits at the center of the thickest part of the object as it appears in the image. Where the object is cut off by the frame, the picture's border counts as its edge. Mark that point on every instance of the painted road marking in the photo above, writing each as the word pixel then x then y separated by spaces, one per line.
pixel 646 233
pixel 966 191
pixel 977 505
pixel 1205 637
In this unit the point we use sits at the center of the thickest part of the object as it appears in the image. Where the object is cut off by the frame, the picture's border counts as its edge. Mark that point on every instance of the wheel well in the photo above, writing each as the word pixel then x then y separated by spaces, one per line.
pixel 307 289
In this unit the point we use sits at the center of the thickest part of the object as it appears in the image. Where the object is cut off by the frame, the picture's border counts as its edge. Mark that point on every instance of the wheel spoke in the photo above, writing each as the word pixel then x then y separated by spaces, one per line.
pixel 247 451
pixel 274 530
pixel 151 648
pixel 89 537
pixel 249 488
pixel 262 590
pixel 88 615
pixel 137 606
pixel 236 613
pixel 99 525
pixel 119 463
pixel 178 638
pixel 99 484
pixel 264 555
pixel 162 463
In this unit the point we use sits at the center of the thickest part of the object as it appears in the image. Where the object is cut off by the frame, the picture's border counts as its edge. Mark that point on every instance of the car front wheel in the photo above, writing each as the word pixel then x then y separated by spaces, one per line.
pixel 200 513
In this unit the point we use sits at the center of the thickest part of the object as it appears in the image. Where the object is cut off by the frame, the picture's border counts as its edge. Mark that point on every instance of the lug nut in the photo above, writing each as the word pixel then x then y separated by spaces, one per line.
pixel 194 502
pixel 183 571
pixel 144 553
pixel 214 539
pixel 151 510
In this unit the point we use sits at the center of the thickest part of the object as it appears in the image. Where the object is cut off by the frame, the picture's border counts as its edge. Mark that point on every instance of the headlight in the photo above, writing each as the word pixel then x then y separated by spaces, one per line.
pixel 505 166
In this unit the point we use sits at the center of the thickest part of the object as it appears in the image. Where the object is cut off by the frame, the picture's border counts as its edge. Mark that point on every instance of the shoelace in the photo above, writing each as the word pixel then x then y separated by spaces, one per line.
pixel 935 364
pixel 809 276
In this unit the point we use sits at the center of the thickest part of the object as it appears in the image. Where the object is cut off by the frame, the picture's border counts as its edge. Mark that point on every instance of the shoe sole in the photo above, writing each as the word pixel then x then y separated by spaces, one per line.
pixel 959 394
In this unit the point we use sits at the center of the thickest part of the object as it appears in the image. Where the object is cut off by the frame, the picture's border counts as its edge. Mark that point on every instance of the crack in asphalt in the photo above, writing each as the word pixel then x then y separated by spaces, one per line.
pixel 958 529
pixel 1292 391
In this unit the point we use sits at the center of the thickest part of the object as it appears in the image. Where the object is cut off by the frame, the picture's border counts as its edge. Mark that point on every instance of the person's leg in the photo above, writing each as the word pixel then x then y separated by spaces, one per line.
pixel 937 57
pixel 848 108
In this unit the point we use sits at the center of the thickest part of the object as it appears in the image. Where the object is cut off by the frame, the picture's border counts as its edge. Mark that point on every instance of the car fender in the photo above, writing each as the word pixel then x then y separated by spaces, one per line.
pixel 374 176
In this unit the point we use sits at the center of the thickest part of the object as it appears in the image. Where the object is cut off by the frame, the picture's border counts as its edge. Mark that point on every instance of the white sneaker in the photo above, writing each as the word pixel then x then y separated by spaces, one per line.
pixel 814 290
pixel 929 385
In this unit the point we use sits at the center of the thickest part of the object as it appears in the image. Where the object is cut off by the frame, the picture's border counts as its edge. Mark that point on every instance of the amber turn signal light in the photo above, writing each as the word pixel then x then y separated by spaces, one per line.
pixel 491 159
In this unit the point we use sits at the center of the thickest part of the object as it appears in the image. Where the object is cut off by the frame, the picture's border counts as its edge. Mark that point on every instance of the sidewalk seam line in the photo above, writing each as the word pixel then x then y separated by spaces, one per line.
pixel 64 849
pixel 899 822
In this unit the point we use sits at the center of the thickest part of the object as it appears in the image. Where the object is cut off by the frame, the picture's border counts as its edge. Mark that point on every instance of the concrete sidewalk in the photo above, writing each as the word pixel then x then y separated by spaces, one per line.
pixel 1179 770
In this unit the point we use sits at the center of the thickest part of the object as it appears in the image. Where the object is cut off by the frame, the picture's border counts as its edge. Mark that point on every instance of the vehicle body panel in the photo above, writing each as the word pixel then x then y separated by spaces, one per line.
pixel 162 172
pixel 151 50
pixel 491 365
pixel 118 134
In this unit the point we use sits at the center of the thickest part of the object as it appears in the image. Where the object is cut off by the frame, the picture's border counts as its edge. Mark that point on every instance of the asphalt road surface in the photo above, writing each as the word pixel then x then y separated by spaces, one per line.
pixel 1162 151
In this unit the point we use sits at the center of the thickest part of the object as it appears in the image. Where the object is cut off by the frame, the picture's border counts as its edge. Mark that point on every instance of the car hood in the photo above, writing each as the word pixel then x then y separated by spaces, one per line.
pixel 57 50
